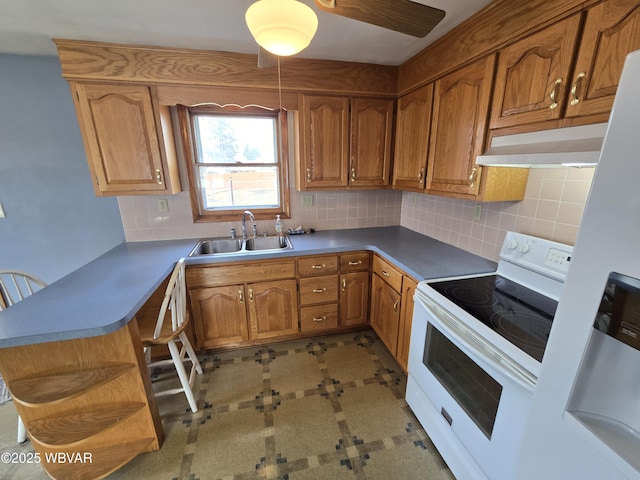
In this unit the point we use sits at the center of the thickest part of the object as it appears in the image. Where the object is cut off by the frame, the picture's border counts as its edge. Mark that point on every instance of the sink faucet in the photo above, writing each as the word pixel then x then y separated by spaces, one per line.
pixel 244 223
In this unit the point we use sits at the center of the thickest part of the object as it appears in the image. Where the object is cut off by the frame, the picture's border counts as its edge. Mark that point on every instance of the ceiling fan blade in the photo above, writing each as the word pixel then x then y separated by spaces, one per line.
pixel 266 59
pixel 402 16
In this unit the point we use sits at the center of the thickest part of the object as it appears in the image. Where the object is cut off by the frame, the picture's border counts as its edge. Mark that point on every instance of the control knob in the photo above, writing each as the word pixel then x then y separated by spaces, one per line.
pixel 513 244
pixel 524 248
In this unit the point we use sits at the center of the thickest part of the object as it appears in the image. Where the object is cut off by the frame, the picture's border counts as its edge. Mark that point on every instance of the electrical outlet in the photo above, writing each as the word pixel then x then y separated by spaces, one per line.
pixel 2 214
pixel 163 205
pixel 307 200
pixel 477 212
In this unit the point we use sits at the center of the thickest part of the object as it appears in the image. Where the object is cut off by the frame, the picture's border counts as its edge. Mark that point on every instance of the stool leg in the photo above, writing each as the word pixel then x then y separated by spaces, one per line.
pixel 182 373
pixel 22 431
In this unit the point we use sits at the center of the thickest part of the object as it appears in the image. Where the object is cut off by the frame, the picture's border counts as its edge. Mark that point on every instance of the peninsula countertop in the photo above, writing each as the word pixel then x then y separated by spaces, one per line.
pixel 105 294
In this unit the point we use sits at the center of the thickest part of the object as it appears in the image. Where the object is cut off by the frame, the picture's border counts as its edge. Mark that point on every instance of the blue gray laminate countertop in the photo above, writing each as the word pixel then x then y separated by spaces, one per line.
pixel 105 294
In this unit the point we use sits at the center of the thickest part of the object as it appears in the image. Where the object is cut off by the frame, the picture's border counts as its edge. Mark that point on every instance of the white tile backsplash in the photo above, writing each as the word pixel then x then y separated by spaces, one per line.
pixel 552 208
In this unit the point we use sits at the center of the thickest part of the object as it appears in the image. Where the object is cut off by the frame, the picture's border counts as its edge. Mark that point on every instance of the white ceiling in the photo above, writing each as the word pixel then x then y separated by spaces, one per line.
pixel 27 27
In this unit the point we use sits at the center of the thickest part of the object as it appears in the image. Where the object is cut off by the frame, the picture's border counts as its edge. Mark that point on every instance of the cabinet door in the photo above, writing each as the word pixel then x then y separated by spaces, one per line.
pixel 325 142
pixel 406 316
pixel 385 312
pixel 219 315
pixel 413 122
pixel 371 131
pixel 611 31
pixel 532 79
pixel 121 138
pixel 273 308
pixel 354 299
pixel 458 128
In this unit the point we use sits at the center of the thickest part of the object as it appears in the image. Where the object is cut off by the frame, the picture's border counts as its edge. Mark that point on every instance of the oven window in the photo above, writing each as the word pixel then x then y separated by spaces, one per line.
pixel 473 389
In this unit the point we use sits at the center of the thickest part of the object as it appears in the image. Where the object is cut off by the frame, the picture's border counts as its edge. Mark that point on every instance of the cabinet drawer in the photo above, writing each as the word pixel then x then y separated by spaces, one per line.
pixel 318 290
pixel 212 275
pixel 320 317
pixel 388 273
pixel 317 265
pixel 354 262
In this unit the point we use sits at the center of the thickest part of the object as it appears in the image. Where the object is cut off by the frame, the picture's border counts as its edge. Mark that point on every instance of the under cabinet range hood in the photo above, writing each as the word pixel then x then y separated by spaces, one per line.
pixel 561 147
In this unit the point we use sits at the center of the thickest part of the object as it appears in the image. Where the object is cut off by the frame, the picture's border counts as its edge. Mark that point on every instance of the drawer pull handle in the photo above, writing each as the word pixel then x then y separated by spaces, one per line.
pixel 395 306
pixel 554 94
pixel 344 284
pixel 319 290
pixel 353 264
pixel 317 267
pixel 251 294
pixel 385 273
pixel 158 176
pixel 241 296
pixel 353 174
pixel 308 174
pixel 446 416
pixel 319 319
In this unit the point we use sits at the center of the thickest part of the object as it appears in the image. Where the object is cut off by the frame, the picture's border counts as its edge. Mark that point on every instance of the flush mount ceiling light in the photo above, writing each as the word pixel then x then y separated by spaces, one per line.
pixel 282 27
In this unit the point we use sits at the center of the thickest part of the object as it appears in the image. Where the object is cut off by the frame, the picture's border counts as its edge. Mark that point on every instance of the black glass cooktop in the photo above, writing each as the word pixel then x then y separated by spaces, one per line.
pixel 517 313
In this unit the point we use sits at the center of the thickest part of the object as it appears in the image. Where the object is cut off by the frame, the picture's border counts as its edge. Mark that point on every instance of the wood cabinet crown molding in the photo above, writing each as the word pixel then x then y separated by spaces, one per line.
pixel 84 60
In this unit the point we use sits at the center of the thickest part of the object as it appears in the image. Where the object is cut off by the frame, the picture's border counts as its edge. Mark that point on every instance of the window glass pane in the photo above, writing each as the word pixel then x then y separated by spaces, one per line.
pixel 235 139
pixel 239 187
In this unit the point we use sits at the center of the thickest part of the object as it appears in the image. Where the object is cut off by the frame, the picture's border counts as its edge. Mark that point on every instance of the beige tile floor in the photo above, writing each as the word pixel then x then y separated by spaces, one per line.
pixel 323 408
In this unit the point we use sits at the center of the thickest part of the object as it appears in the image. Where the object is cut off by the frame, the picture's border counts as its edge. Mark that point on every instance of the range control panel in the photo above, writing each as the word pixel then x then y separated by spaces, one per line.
pixel 543 256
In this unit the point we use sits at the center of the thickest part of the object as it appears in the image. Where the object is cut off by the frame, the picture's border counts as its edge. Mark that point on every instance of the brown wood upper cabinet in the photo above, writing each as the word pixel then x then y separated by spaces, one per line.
pixel 458 128
pixel 344 143
pixel 128 139
pixel 413 122
pixel 532 80
pixel 537 79
pixel 611 31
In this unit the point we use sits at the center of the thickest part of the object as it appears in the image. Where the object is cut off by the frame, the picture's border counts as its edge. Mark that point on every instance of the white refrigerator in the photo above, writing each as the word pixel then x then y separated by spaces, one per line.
pixel 585 419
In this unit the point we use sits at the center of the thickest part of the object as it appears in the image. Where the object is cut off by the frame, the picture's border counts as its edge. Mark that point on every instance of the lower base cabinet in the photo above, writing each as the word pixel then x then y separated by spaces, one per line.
pixel 409 286
pixel 273 308
pixel 385 312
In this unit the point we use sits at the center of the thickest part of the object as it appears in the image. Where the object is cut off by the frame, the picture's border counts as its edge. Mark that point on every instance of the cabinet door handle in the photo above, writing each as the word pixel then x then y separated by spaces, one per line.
pixel 319 319
pixel 554 94
pixel 319 290
pixel 385 273
pixel 353 264
pixel 473 177
pixel 344 284
pixel 395 306
pixel 251 294
pixel 308 174
pixel 574 90
pixel 353 174
pixel 318 267
pixel 158 176
pixel 241 296
pixel 421 176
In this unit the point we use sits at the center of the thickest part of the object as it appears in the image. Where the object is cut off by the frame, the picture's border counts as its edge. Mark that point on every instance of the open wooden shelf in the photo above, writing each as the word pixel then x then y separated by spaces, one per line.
pixel 103 461
pixel 48 389
pixel 67 430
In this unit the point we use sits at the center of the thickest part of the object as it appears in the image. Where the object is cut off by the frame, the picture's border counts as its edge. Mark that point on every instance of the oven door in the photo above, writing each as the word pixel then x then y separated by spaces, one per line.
pixel 472 401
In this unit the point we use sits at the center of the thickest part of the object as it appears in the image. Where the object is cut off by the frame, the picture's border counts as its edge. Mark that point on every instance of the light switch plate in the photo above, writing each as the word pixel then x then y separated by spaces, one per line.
pixel 163 205
pixel 307 200
pixel 477 212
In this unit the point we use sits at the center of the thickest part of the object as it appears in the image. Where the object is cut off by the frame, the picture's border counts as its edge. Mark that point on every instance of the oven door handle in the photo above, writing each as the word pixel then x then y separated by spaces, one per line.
pixel 481 347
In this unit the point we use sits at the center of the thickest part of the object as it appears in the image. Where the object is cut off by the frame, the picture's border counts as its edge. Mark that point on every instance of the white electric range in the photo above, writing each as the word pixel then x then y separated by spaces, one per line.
pixel 477 344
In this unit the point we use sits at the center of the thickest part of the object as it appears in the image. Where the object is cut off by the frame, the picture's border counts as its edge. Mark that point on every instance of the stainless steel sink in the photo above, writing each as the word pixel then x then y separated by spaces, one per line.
pixel 228 246
pixel 268 243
